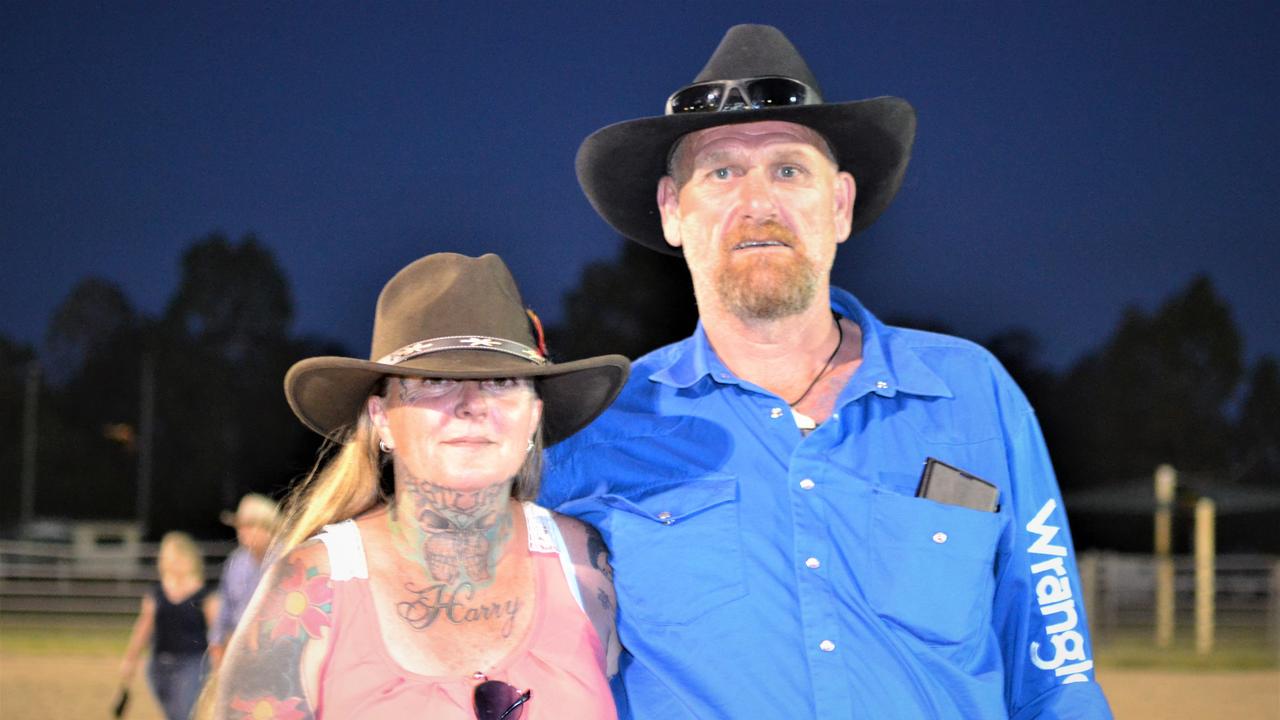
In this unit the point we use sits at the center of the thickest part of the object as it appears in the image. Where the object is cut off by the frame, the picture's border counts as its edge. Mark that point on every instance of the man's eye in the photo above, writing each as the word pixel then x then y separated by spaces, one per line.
pixel 438 382
pixel 721 173
pixel 788 171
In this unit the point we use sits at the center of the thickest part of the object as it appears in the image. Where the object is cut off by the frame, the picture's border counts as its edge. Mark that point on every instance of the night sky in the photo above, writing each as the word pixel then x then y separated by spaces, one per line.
pixel 1072 159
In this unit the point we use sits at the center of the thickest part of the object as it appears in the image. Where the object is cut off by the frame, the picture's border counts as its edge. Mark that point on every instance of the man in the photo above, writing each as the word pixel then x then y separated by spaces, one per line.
pixel 757 483
pixel 254 520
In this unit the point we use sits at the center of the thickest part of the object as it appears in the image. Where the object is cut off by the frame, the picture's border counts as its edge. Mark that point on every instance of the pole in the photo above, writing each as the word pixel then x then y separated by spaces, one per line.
pixel 1204 575
pixel 146 431
pixel 1166 485
pixel 30 415
pixel 1088 568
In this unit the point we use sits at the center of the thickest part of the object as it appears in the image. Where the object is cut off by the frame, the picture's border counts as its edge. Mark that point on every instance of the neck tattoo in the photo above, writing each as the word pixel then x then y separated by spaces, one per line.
pixel 460 534
pixel 826 365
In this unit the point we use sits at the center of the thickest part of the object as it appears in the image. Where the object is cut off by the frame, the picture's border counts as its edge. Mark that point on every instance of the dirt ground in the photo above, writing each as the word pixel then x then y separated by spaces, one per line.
pixel 49 686
pixel 1172 695
pixel 45 686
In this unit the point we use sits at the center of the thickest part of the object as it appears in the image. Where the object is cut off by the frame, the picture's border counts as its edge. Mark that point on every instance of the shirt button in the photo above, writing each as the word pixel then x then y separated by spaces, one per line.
pixel 939 537
pixel 806 484
pixel 665 517
pixel 826 646
pixel 775 413
pixel 813 563
pixel 882 385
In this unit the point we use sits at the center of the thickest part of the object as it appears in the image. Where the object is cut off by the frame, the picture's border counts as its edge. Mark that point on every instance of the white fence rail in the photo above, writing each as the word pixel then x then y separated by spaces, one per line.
pixel 1119 588
pixel 51 577
pixel 1120 591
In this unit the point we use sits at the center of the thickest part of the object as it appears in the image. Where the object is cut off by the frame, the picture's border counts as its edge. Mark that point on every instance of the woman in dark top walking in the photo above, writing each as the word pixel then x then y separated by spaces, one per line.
pixel 175 617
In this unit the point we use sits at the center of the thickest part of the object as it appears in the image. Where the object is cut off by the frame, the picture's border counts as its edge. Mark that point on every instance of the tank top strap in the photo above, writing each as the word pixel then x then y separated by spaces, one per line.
pixel 545 537
pixel 346 551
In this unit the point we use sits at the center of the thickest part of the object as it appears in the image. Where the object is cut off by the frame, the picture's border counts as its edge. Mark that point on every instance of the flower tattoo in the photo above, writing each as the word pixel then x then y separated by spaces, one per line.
pixel 268 708
pixel 305 602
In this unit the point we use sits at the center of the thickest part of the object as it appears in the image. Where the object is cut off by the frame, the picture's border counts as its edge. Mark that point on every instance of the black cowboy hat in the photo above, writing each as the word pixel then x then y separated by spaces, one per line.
pixel 619 166
pixel 453 316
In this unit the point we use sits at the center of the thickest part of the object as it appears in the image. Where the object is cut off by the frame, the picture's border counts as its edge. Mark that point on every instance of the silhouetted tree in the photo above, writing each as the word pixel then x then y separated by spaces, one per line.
pixel 641 301
pixel 85 326
pixel 1259 428
pixel 1157 392
pixel 220 354
pixel 15 358
pixel 90 359
pixel 217 358
pixel 233 298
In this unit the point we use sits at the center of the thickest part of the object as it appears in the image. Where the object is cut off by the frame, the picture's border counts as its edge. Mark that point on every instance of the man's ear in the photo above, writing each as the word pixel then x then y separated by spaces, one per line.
pixel 845 191
pixel 669 209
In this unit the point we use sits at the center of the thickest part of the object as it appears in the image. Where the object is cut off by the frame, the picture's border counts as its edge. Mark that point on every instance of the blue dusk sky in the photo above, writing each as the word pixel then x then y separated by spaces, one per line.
pixel 1072 158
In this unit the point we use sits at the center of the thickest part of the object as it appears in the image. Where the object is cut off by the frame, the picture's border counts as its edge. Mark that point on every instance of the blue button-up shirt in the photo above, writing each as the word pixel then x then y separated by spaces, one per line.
pixel 762 573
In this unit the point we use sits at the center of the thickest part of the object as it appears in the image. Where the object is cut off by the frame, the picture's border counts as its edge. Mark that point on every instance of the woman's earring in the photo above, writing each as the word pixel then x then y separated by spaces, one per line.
pixel 382 444
pixel 530 448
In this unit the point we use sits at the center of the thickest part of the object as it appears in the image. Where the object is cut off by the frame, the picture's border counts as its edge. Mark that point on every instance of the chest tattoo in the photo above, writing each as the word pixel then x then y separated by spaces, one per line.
pixel 432 602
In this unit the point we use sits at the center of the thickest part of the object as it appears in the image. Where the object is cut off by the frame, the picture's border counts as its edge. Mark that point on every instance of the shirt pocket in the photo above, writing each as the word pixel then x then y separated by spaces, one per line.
pixel 932 567
pixel 676 549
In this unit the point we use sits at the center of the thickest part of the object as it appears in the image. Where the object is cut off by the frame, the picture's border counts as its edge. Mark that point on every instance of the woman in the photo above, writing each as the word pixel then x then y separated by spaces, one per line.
pixel 456 596
pixel 175 617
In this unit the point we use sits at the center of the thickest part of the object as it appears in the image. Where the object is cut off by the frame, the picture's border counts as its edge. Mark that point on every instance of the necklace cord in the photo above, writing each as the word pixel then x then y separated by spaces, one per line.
pixel 825 366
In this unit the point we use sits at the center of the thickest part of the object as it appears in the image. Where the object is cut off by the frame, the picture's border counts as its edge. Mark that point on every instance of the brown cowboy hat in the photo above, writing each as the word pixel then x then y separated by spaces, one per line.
pixel 619 166
pixel 453 316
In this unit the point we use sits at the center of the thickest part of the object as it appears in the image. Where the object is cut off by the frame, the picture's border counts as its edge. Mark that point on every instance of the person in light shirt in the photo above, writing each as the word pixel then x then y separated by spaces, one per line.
pixel 254 520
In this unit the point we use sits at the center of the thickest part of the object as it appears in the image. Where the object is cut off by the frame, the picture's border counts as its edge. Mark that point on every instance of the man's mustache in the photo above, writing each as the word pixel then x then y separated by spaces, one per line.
pixel 764 233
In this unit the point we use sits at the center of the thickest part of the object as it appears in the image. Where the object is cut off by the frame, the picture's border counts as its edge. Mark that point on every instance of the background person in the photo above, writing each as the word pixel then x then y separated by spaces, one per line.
pixel 174 621
pixel 254 521
pixel 757 482
pixel 455 596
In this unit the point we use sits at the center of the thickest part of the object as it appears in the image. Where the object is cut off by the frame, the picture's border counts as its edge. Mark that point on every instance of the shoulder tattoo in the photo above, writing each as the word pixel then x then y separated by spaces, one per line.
pixel 265 681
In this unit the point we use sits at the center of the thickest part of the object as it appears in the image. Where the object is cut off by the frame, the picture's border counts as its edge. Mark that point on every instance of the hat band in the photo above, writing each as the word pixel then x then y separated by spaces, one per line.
pixel 461 342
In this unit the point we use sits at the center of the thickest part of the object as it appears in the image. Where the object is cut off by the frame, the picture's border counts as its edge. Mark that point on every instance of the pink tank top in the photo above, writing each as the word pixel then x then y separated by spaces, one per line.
pixel 560 659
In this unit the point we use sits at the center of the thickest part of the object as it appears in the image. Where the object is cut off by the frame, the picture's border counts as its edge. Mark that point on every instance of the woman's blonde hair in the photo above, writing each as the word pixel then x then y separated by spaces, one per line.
pixel 346 481
pixel 180 545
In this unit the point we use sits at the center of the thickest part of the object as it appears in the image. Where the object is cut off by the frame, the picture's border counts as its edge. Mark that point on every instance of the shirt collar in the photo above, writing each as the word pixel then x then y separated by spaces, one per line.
pixel 889 364
pixel 693 360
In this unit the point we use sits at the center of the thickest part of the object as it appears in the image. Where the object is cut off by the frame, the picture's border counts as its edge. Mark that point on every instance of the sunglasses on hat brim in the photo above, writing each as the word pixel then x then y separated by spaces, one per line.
pixel 755 93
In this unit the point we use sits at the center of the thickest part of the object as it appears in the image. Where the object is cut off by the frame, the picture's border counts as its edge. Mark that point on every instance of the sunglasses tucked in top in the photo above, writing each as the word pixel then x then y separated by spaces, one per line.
pixel 496 700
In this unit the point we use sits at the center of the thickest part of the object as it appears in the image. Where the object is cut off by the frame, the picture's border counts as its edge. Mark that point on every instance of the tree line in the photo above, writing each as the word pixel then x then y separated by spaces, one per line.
pixel 1168 386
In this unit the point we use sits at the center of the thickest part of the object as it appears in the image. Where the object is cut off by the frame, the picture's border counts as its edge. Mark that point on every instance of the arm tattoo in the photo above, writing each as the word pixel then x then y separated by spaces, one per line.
pixel 598 552
pixel 264 677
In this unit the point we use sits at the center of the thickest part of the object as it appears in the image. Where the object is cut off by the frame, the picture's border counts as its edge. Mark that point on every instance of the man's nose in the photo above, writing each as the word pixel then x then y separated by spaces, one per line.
pixel 757 195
